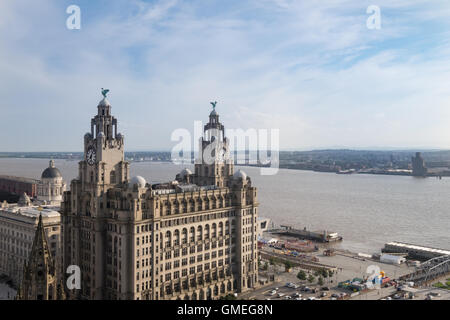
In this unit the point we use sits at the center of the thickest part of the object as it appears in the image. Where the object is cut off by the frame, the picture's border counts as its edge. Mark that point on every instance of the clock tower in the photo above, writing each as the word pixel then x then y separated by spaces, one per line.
pixel 103 165
pixel 86 215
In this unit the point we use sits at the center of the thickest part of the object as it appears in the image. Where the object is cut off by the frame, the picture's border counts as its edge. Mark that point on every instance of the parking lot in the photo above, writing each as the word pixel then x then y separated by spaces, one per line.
pixel 348 267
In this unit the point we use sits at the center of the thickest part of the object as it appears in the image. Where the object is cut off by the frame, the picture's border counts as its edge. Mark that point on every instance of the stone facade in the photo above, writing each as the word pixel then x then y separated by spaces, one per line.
pixel 18 224
pixel 192 238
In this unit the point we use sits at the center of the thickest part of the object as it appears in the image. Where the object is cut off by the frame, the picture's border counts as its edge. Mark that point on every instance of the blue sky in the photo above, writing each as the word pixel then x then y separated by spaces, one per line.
pixel 310 68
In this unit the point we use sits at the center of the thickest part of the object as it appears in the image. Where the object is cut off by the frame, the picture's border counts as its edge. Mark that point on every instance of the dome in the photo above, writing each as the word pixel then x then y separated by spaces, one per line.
pixel 51 172
pixel 185 172
pixel 240 174
pixel 104 103
pixel 137 180
pixel 213 113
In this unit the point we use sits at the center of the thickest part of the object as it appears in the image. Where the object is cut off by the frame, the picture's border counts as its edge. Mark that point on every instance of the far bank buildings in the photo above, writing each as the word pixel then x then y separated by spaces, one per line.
pixel 194 238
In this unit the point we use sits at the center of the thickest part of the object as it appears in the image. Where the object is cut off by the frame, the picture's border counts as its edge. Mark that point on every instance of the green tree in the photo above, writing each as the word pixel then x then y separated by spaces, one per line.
pixel 301 275
pixel 311 278
pixel 288 265
pixel 320 281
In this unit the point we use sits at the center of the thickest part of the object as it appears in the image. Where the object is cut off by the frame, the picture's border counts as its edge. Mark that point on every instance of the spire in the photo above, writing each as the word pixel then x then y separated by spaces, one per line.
pixel 40 244
pixel 40 270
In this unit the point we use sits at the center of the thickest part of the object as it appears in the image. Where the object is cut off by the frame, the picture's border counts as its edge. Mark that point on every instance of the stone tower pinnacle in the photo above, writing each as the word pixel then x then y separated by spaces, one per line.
pixel 40 274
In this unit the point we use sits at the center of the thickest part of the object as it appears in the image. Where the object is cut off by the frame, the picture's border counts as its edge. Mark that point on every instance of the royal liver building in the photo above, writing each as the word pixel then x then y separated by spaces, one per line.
pixel 192 238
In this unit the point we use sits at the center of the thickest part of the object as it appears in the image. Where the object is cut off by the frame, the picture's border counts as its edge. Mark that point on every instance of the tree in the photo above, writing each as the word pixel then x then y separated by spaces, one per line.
pixel 301 275
pixel 266 266
pixel 272 261
pixel 288 265
pixel 320 282
pixel 311 278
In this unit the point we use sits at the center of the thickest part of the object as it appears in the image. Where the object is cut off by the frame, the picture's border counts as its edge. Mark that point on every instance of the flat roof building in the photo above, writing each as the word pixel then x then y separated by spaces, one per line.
pixel 414 251
pixel 18 223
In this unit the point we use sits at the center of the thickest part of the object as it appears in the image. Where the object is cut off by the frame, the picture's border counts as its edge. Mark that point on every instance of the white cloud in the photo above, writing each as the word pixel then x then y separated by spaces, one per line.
pixel 311 69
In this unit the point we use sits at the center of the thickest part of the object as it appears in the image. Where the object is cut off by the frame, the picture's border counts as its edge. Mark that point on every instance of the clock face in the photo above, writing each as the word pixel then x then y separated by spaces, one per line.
pixel 91 156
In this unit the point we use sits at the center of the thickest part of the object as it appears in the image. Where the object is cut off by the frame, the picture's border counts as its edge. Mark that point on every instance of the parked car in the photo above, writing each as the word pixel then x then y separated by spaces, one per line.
pixel 325 289
pixel 435 294
pixel 323 294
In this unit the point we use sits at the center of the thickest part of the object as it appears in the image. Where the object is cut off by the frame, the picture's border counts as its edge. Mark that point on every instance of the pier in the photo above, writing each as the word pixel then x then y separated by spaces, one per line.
pixel 320 236
pixel 414 251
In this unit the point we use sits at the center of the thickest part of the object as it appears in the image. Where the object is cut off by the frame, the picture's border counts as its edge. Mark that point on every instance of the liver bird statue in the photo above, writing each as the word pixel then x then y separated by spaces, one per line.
pixel 214 104
pixel 105 92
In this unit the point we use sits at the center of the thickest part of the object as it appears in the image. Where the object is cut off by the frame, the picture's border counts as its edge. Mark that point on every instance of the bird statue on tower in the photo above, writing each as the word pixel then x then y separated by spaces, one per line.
pixel 214 104
pixel 105 92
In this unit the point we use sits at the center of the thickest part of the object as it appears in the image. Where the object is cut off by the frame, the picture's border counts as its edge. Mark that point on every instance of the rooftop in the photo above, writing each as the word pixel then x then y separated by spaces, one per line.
pixel 420 248
pixel 32 211
pixel 20 179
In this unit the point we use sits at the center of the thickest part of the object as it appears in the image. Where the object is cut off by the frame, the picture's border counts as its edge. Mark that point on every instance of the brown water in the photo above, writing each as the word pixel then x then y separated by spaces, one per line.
pixel 367 210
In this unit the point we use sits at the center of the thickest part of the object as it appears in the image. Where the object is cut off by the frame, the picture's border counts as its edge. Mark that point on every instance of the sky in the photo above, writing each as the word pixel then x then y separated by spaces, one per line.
pixel 312 69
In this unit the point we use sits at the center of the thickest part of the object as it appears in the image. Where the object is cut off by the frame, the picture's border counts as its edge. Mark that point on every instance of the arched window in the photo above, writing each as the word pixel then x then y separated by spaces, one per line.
pixel 168 238
pixel 199 233
pixel 220 229
pixel 176 241
pixel 207 231
pixel 214 230
pixel 112 177
pixel 185 236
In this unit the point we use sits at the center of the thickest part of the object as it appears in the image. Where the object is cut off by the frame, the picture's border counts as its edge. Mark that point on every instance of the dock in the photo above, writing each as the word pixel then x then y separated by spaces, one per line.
pixel 320 236
pixel 414 251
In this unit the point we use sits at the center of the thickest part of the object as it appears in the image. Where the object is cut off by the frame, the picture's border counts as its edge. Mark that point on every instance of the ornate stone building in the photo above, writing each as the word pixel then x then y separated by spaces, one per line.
pixel 51 187
pixel 193 238
pixel 18 224
pixel 40 274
